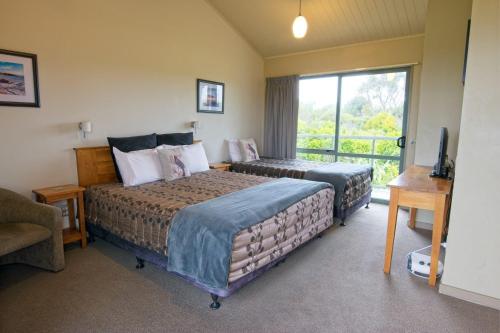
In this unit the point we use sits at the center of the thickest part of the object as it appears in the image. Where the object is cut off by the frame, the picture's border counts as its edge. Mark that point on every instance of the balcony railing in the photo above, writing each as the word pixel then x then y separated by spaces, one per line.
pixel 331 151
pixel 380 172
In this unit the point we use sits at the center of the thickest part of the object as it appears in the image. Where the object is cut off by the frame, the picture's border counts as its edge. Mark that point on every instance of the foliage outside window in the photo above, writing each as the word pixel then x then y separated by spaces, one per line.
pixel 371 118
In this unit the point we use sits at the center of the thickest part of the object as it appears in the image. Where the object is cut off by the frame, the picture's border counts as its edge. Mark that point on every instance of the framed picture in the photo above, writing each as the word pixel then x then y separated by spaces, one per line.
pixel 210 96
pixel 18 79
pixel 464 73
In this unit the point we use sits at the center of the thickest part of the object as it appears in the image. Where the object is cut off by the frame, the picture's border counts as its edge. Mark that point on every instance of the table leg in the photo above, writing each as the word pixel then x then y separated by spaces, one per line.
pixel 446 215
pixel 391 229
pixel 71 213
pixel 437 232
pixel 81 220
pixel 413 216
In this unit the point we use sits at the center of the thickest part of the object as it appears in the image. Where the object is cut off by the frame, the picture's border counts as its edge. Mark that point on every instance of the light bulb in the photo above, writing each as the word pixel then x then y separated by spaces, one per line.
pixel 299 27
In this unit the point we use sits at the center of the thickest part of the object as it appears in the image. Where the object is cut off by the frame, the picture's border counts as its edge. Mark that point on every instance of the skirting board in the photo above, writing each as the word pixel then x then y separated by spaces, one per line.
pixel 470 296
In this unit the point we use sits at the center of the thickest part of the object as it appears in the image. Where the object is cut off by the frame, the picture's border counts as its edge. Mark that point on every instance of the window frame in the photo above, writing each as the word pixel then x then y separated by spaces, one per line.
pixel 408 70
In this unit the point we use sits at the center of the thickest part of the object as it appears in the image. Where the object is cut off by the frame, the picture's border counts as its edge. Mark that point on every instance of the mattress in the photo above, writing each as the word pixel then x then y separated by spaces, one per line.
pixel 357 188
pixel 142 215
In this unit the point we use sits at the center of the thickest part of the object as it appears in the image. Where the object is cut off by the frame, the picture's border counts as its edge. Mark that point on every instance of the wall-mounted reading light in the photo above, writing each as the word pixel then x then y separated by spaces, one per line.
pixel 85 127
pixel 195 126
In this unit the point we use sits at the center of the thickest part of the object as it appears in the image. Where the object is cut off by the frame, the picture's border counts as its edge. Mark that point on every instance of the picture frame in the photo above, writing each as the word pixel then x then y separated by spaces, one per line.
pixel 18 79
pixel 467 38
pixel 209 96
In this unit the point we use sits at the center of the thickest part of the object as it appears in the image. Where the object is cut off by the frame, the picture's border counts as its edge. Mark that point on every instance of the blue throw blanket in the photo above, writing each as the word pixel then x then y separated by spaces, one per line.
pixel 201 236
pixel 337 174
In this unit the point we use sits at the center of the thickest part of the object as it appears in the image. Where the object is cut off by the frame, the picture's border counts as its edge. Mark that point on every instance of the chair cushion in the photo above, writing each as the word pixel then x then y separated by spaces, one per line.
pixel 16 236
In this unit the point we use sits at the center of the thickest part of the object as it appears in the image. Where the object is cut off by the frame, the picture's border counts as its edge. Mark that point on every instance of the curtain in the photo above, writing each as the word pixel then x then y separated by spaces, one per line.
pixel 281 115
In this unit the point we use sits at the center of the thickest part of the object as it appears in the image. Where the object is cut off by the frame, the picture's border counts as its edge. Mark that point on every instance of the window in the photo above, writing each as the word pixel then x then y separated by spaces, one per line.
pixel 356 118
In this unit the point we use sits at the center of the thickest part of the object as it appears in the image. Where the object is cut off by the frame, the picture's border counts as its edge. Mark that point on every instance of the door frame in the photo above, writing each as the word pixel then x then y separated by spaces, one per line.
pixel 335 151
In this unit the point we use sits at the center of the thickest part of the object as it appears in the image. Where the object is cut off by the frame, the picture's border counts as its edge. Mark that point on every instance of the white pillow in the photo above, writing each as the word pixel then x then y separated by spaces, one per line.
pixel 249 150
pixel 138 167
pixel 160 147
pixel 234 150
pixel 195 157
pixel 172 163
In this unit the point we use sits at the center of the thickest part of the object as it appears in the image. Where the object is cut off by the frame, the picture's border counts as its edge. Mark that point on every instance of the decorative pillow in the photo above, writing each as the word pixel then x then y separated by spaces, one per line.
pixel 138 167
pixel 234 150
pixel 175 139
pixel 172 163
pixel 128 144
pixel 195 157
pixel 249 150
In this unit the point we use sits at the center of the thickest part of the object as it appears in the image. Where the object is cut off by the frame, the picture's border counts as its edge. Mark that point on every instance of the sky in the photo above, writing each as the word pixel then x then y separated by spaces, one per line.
pixel 323 91
pixel 11 68
pixel 320 91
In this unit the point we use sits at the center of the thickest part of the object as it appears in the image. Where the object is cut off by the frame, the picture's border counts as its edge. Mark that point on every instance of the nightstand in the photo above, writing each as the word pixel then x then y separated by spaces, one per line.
pixel 68 193
pixel 220 166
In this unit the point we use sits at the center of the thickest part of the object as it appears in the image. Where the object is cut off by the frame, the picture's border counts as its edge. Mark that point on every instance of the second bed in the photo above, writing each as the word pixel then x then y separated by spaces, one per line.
pixel 352 182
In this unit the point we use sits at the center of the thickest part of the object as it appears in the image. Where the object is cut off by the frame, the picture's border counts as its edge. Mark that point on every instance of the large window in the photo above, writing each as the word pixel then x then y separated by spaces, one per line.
pixel 356 118
pixel 317 112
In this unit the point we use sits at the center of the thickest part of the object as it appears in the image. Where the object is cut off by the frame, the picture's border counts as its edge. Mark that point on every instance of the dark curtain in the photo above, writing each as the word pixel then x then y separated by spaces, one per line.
pixel 281 115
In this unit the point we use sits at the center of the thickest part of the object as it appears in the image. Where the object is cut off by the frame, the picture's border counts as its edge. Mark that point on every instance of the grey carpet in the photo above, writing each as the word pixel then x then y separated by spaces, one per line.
pixel 334 284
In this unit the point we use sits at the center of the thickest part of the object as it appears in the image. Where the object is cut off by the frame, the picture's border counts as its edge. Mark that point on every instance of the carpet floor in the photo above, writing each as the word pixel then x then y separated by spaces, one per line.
pixel 333 284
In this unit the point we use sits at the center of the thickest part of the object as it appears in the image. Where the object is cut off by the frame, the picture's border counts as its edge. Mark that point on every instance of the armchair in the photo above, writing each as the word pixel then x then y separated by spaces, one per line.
pixel 30 232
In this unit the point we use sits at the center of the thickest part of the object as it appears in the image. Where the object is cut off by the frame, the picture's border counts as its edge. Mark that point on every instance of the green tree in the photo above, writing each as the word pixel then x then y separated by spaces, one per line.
pixel 375 110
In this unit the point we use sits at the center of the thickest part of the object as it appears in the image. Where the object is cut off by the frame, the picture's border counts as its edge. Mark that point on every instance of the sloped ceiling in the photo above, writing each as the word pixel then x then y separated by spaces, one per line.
pixel 266 24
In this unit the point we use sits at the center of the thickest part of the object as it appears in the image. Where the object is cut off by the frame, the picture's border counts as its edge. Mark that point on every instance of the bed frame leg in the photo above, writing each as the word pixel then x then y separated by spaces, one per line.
pixel 215 302
pixel 91 238
pixel 342 223
pixel 140 263
pixel 367 205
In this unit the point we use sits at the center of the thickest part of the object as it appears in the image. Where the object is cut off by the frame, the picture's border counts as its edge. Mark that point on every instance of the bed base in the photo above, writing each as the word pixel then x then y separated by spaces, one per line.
pixel 344 214
pixel 142 255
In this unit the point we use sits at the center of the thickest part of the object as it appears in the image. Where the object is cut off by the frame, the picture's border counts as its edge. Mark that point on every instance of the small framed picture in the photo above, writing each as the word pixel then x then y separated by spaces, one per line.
pixel 210 96
pixel 18 79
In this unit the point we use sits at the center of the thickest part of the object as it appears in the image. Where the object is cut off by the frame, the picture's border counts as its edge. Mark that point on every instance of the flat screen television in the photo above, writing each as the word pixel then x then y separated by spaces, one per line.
pixel 441 168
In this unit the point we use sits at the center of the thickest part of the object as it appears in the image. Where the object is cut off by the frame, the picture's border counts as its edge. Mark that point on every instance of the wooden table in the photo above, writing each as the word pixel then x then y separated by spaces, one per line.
pixel 220 166
pixel 68 193
pixel 414 188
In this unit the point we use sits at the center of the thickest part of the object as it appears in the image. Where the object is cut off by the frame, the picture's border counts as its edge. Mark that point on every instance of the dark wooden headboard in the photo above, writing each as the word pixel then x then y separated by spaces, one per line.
pixel 95 165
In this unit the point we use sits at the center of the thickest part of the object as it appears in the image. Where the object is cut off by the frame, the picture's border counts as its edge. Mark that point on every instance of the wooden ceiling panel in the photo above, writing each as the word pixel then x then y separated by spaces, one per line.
pixel 267 24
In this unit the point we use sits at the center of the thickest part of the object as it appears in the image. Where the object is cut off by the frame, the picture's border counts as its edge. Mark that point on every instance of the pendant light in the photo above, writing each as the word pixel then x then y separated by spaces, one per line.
pixel 299 26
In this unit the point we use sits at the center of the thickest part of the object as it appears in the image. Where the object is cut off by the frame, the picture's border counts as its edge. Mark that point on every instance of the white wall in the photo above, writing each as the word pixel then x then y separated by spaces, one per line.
pixel 128 66
pixel 375 54
pixel 473 256
pixel 441 88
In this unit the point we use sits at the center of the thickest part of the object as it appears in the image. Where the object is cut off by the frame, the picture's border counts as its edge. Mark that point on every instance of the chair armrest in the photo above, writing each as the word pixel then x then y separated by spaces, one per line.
pixel 45 215
pixel 16 208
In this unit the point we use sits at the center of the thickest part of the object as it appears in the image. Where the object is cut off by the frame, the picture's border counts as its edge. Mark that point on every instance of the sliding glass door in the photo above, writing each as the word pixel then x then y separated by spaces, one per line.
pixel 357 118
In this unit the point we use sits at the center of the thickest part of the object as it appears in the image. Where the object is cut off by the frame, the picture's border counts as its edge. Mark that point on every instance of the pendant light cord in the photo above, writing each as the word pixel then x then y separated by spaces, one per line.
pixel 300 7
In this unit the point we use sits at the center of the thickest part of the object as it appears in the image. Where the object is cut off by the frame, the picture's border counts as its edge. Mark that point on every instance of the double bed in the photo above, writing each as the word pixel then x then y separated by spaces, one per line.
pixel 352 183
pixel 149 219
